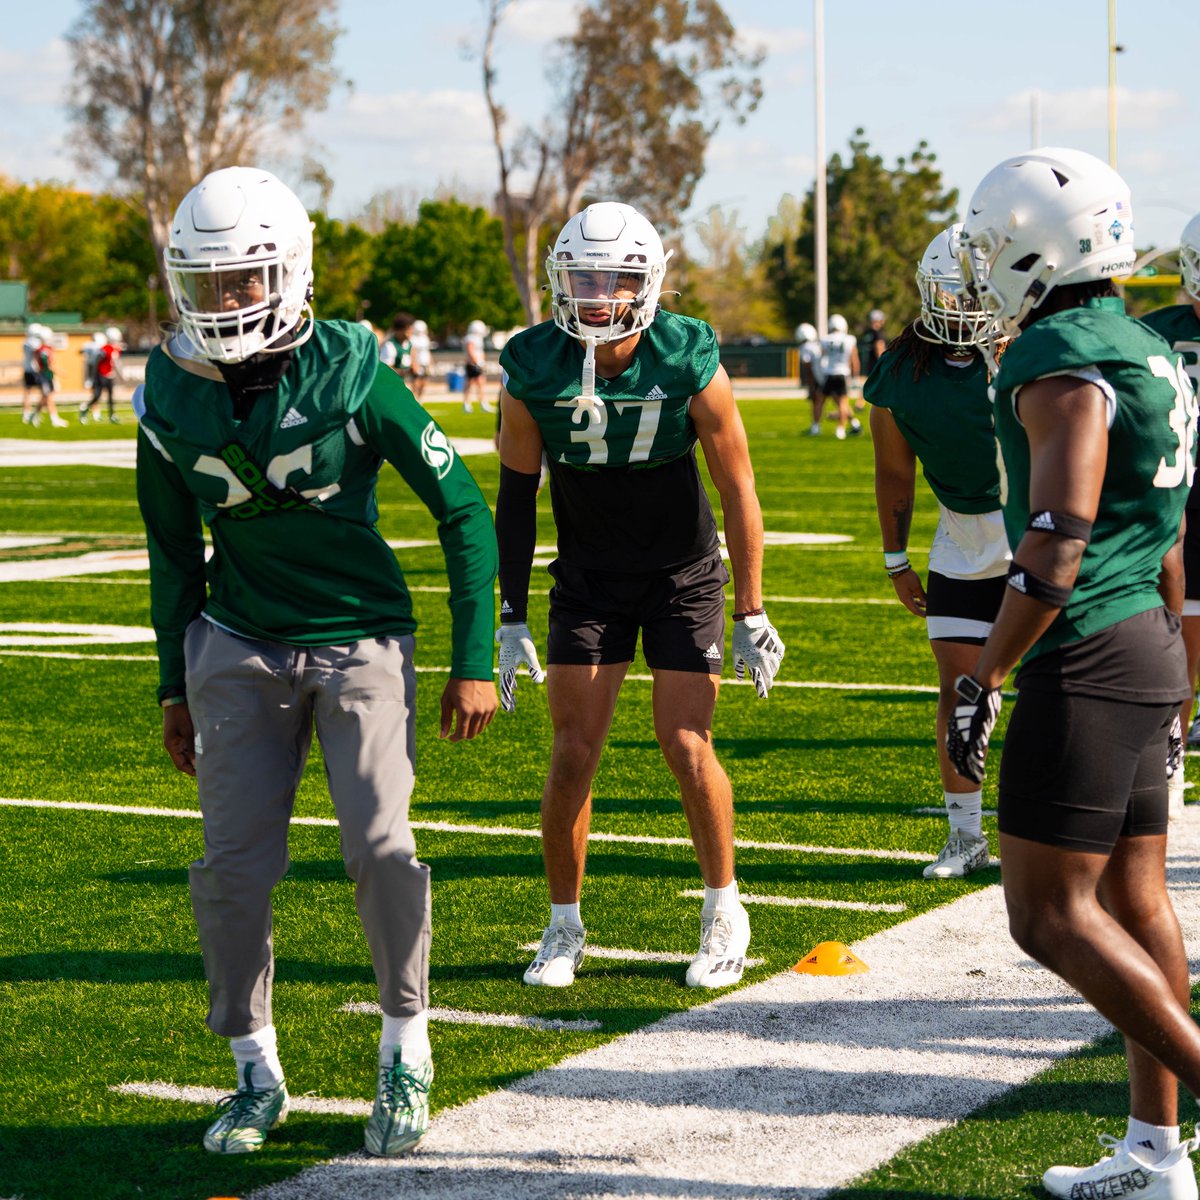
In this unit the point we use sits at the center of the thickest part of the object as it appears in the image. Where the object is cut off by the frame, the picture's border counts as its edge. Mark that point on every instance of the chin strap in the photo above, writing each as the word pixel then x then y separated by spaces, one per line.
pixel 586 401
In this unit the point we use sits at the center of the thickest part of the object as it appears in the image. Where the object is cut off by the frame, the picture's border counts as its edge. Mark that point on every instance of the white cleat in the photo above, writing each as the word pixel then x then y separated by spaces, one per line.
pixel 1123 1173
pixel 558 956
pixel 724 940
pixel 959 856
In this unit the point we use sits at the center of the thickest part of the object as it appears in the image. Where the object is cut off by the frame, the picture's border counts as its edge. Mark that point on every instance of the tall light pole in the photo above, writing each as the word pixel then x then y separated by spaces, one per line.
pixel 1113 50
pixel 820 249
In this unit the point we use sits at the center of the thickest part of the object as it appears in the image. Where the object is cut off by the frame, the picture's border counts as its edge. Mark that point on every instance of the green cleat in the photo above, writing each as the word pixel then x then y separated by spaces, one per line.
pixel 244 1118
pixel 401 1114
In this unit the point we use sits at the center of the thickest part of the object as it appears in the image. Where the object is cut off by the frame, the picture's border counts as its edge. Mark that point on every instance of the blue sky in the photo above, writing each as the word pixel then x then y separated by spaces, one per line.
pixel 958 75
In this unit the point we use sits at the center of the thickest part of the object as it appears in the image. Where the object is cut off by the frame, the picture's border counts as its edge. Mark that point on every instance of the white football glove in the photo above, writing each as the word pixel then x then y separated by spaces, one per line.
pixel 757 648
pixel 516 650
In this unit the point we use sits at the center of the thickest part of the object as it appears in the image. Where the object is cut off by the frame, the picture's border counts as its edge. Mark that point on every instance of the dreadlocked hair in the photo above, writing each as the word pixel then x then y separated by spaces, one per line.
pixel 924 352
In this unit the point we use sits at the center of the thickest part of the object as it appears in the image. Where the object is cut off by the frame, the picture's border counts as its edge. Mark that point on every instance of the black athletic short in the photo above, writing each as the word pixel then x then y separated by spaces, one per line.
pixel 962 610
pixel 834 385
pixel 474 370
pixel 1082 771
pixel 33 379
pixel 595 617
pixel 1191 557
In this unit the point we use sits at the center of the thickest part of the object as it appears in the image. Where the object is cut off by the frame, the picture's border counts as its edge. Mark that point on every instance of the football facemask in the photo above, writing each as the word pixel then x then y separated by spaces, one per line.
pixel 950 315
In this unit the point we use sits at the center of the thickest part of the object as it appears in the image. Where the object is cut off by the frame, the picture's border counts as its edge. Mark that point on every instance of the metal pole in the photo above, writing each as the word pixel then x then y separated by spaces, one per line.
pixel 821 256
pixel 1113 51
pixel 1035 120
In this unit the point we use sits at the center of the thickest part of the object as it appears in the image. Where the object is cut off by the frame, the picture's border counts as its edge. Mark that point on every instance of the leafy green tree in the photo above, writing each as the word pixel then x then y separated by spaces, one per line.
pixel 448 268
pixel 639 90
pixel 165 91
pixel 880 219
pixel 342 256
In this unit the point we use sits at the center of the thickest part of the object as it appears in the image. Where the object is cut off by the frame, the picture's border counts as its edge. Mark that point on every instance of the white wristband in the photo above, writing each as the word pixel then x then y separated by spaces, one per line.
pixel 895 558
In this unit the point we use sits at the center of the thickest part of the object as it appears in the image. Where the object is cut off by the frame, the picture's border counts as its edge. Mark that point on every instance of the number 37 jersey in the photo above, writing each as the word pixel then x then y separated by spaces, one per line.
pixel 624 483
pixel 1151 455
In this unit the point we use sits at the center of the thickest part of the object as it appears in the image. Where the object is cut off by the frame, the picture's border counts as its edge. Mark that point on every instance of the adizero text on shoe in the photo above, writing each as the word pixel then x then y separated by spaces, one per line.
pixel 244 1118
pixel 959 856
pixel 401 1113
pixel 1125 1173
pixel 724 940
pixel 558 956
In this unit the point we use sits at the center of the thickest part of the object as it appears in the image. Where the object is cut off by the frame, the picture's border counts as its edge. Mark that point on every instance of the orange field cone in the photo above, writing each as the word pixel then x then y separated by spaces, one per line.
pixel 831 958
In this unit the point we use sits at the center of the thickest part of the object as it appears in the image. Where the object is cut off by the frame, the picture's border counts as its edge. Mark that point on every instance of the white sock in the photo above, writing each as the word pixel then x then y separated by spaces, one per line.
pixel 722 899
pixel 1151 1142
pixel 566 914
pixel 409 1035
pixel 965 810
pixel 261 1050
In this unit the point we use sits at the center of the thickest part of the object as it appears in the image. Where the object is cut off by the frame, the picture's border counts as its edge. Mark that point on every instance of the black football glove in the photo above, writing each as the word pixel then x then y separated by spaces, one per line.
pixel 971 726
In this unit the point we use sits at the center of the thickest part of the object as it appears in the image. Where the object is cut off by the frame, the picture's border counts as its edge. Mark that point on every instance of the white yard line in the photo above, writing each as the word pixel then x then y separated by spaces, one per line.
pixel 808 902
pixel 788 1088
pixel 157 1090
pixel 460 1016
pixel 620 955
pixel 487 830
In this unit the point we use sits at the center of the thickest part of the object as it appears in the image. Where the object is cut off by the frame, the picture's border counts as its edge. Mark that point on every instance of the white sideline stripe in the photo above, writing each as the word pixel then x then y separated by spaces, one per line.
pixel 141 810
pixel 460 1016
pixel 950 1016
pixel 658 956
pixel 876 600
pixel 157 1090
pixel 808 902
pixel 940 811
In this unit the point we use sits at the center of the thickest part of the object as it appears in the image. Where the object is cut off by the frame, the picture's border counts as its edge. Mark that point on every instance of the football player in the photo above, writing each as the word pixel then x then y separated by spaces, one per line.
pixel 1180 325
pixel 269 428
pixel 810 372
pixel 1096 418
pixel 929 397
pixel 617 393
pixel 839 364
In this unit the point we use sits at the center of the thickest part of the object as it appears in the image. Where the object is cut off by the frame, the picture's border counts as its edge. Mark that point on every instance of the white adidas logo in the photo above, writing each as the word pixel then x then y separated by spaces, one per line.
pixel 291 419
pixel 656 393
pixel 1017 581
pixel 713 652
pixel 1043 520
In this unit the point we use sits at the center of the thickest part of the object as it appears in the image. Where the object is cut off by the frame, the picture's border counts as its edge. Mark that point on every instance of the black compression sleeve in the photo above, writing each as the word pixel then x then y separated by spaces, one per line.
pixel 516 536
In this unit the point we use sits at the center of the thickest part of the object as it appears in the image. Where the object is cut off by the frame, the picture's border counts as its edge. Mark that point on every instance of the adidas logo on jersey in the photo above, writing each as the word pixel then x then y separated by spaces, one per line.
pixel 291 419
pixel 656 393
pixel 713 652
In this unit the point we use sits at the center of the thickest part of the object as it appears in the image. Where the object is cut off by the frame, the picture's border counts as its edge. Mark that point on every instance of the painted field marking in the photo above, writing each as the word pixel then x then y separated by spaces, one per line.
pixel 940 811
pixel 141 810
pixel 460 1016
pixel 35 633
pixel 655 956
pixel 158 1090
pixel 808 902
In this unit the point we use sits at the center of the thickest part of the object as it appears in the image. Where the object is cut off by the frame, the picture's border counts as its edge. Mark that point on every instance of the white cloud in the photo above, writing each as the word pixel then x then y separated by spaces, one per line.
pixel 1081 110
pixel 541 20
pixel 778 43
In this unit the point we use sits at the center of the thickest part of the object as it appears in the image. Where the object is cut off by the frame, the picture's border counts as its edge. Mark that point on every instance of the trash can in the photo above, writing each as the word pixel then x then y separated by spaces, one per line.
pixel 456 379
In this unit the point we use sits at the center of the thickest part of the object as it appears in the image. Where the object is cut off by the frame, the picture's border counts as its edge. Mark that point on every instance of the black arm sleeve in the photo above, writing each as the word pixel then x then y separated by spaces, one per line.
pixel 516 536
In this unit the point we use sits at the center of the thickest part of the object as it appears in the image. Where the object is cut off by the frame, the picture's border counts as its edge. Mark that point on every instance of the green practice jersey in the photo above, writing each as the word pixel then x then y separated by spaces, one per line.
pixel 624 484
pixel 946 417
pixel 1151 456
pixel 1181 327
pixel 307 566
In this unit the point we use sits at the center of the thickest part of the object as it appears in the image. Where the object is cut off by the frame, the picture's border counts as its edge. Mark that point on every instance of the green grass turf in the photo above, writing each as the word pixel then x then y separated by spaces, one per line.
pixel 100 977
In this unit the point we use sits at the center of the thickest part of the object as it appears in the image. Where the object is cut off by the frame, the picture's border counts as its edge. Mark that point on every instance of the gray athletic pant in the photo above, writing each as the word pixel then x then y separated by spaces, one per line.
pixel 253 705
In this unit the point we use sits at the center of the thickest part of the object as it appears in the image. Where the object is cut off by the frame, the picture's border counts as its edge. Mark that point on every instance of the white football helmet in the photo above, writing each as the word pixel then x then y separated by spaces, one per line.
pixel 837 324
pixel 477 329
pixel 113 335
pixel 950 315
pixel 1041 220
pixel 806 332
pixel 606 272
pixel 239 265
pixel 1189 257
pixel 420 329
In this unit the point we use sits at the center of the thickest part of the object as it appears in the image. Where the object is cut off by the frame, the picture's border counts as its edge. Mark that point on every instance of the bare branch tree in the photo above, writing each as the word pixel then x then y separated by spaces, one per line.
pixel 165 91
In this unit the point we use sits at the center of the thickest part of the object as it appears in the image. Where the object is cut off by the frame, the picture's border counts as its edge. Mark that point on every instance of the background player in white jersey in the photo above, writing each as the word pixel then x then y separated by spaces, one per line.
pixel 839 365
pixel 1096 420
pixel 270 428
pixel 930 402
pixel 422 358
pixel 810 372
pixel 617 393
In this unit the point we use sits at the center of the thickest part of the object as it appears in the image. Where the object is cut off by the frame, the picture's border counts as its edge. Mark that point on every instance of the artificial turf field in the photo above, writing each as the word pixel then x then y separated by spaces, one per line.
pixel 100 975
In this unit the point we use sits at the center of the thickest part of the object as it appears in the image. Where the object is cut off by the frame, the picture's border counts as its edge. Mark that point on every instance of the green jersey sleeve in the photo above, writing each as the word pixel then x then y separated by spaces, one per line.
pixel 397 428
pixel 175 542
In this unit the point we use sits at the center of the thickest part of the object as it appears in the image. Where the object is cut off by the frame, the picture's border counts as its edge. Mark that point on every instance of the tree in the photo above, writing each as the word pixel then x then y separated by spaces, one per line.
pixel 642 86
pixel 165 91
pixel 880 220
pixel 342 258
pixel 447 268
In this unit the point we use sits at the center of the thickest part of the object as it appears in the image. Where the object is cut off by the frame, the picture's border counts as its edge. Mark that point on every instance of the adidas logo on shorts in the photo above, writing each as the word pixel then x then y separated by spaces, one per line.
pixel 656 393
pixel 713 652
pixel 291 419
